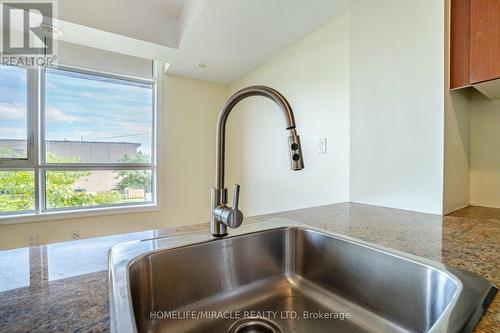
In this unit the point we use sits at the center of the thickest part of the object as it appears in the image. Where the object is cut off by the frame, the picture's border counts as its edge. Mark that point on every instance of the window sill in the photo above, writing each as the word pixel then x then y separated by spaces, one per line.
pixel 77 213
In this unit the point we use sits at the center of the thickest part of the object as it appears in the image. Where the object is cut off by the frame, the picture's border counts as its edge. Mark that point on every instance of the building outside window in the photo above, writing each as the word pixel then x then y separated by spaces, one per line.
pixel 75 139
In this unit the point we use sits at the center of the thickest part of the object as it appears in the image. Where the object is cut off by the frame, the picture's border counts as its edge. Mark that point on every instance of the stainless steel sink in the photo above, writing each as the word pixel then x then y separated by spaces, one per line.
pixel 286 277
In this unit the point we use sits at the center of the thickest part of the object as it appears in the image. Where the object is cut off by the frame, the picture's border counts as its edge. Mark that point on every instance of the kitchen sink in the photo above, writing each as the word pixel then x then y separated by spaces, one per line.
pixel 284 276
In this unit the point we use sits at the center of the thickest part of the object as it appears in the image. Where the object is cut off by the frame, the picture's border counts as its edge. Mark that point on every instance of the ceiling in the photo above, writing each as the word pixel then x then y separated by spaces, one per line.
pixel 232 36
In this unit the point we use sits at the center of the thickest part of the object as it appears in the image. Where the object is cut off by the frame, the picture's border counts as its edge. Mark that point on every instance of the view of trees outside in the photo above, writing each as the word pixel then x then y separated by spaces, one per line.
pixel 17 191
pixel 17 187
pixel 135 179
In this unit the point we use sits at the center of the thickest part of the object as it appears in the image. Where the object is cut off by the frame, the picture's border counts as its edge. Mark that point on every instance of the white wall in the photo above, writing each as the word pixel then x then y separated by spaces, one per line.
pixel 457 151
pixel 485 151
pixel 397 103
pixel 314 76
pixel 456 139
pixel 187 170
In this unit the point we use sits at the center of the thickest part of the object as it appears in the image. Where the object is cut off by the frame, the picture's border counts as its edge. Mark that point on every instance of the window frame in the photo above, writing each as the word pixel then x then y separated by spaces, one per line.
pixel 36 161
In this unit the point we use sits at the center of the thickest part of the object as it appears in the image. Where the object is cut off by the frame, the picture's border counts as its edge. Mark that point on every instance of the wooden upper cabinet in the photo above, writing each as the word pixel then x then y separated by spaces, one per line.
pixel 484 40
pixel 474 42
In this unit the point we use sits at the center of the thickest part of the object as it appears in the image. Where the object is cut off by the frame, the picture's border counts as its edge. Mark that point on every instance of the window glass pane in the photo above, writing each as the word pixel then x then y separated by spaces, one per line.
pixel 93 119
pixel 66 189
pixel 13 112
pixel 17 191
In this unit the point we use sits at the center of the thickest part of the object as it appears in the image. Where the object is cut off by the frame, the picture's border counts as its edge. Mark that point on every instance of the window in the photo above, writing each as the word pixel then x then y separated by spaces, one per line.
pixel 74 139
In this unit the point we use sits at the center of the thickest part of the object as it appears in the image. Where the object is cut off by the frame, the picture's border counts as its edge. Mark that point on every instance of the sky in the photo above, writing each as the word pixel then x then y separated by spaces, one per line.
pixel 12 103
pixel 79 107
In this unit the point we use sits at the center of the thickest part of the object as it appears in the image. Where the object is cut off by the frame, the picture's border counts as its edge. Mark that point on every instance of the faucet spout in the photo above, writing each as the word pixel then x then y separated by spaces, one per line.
pixel 219 193
pixel 264 91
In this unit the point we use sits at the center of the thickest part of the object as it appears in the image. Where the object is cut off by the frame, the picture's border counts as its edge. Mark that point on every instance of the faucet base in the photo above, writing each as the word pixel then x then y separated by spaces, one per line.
pixel 217 228
pixel 219 236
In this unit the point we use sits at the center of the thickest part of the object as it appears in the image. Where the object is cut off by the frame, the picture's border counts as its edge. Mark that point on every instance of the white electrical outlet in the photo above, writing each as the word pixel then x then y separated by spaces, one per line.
pixel 75 234
pixel 32 239
pixel 322 146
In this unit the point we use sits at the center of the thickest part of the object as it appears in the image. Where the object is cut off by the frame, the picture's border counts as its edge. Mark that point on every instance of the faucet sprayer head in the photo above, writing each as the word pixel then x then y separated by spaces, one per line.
pixel 296 159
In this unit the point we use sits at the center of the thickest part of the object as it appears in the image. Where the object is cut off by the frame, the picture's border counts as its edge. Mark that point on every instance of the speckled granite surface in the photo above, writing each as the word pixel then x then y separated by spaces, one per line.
pixel 64 287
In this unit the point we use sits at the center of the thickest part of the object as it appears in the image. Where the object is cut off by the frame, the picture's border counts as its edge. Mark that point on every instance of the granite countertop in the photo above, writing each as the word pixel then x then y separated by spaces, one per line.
pixel 64 287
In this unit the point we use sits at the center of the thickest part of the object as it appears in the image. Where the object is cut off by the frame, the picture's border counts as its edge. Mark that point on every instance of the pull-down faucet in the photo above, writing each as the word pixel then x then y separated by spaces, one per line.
pixel 222 215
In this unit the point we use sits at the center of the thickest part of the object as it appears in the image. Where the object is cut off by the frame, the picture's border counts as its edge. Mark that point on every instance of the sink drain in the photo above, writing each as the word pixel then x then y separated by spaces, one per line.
pixel 254 325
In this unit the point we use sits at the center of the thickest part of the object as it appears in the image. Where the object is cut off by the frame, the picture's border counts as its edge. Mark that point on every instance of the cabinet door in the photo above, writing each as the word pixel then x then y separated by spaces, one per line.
pixel 484 40
pixel 460 44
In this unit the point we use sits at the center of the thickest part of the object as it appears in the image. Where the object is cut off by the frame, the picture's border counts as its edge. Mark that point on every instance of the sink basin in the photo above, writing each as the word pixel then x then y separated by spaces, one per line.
pixel 287 277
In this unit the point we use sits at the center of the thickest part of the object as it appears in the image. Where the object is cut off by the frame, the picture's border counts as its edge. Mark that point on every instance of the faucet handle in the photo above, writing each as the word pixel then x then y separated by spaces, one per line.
pixel 233 217
pixel 236 196
pixel 230 216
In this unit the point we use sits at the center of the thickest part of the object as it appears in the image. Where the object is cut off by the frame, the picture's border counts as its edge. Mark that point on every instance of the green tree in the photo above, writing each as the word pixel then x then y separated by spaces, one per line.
pixel 17 191
pixel 17 188
pixel 135 179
